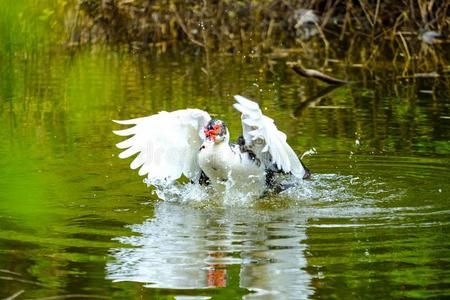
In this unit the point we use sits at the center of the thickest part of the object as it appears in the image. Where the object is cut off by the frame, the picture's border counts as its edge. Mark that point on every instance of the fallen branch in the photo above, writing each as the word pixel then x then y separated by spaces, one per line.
pixel 310 73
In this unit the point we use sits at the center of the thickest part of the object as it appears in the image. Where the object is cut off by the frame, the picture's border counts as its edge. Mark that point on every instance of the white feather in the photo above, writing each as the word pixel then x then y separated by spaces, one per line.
pixel 257 127
pixel 166 143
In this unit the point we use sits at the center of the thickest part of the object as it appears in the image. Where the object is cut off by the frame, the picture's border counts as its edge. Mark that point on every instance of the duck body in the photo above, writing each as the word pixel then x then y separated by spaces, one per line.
pixel 188 142
pixel 231 165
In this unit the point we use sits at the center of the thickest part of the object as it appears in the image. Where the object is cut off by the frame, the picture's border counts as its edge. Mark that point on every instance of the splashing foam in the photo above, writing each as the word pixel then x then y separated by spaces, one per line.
pixel 330 189
pixel 173 191
pixel 309 152
pixel 324 187
pixel 177 192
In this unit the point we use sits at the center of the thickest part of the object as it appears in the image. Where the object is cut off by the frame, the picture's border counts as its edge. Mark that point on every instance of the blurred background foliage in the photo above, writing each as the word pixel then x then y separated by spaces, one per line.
pixel 32 24
pixel 251 25
pixel 348 33
pixel 318 32
pixel 359 32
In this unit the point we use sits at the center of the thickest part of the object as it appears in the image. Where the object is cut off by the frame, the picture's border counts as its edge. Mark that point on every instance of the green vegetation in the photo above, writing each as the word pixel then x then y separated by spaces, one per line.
pixel 32 24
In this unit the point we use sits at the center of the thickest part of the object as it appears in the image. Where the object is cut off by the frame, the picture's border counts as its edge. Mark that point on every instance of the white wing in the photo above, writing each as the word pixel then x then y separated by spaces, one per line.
pixel 167 143
pixel 267 142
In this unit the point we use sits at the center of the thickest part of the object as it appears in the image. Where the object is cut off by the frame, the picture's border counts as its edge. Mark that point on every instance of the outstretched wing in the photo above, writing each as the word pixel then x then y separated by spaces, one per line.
pixel 166 143
pixel 266 141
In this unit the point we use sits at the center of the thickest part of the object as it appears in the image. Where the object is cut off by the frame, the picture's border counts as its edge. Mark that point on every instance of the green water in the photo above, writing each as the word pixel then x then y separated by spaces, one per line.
pixel 373 222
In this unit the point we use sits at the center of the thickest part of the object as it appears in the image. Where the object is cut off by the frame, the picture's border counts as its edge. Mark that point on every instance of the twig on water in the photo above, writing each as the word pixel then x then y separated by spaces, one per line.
pixel 310 73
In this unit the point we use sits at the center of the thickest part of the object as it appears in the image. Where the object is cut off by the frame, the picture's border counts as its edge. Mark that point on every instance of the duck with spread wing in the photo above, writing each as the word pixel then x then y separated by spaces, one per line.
pixel 189 142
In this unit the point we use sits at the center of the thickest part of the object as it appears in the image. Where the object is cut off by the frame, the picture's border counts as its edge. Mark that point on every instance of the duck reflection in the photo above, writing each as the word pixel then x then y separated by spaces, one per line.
pixel 217 273
pixel 185 247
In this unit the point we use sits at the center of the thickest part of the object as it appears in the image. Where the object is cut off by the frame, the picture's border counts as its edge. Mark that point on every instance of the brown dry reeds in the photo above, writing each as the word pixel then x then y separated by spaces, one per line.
pixel 359 31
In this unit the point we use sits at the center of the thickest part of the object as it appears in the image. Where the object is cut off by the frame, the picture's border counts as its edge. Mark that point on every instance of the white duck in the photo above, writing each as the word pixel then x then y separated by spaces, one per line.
pixel 189 142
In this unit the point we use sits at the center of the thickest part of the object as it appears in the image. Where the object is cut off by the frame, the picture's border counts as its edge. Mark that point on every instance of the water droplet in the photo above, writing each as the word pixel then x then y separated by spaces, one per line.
pixel 309 152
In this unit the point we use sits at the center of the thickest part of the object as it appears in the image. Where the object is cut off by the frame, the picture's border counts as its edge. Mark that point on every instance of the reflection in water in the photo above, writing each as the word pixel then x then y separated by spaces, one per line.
pixel 260 246
pixel 187 247
pixel 217 272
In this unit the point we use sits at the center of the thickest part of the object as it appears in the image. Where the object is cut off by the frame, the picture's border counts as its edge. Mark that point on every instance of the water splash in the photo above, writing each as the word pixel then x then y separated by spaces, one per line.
pixel 193 193
pixel 177 192
pixel 352 195
pixel 309 152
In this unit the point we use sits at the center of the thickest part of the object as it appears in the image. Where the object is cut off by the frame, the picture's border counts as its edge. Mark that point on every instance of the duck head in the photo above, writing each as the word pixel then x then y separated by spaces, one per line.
pixel 216 131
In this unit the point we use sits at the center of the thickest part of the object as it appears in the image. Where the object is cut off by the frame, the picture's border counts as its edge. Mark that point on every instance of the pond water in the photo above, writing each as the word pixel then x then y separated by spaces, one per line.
pixel 75 221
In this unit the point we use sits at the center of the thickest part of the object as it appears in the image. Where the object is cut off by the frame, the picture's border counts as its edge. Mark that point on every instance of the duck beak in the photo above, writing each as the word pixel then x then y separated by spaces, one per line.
pixel 210 135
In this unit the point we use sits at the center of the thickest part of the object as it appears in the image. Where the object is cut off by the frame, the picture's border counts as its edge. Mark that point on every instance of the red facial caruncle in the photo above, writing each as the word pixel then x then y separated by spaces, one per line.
pixel 211 134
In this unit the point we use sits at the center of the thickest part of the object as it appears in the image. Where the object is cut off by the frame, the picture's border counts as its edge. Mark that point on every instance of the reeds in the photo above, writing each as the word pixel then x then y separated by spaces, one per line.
pixel 358 32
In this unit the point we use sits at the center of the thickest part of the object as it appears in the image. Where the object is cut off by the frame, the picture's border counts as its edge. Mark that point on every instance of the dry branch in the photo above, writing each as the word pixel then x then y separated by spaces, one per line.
pixel 311 73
